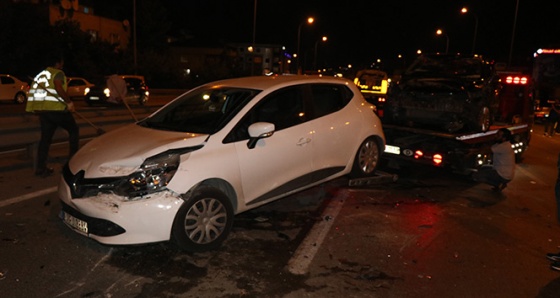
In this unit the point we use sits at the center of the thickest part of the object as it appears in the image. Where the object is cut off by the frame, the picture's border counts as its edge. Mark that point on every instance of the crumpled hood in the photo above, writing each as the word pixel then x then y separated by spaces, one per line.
pixel 120 152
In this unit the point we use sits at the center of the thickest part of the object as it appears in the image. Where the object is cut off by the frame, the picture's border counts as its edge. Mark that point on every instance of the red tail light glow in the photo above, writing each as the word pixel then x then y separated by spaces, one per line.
pixel 516 80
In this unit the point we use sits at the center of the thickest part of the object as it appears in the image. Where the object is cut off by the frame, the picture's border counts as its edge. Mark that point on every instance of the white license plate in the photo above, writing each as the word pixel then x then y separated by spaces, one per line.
pixel 77 224
pixel 392 149
pixel 94 98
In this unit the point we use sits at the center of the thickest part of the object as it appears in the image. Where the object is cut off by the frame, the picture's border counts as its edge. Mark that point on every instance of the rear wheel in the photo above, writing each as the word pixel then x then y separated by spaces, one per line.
pixel 366 159
pixel 20 98
pixel 204 221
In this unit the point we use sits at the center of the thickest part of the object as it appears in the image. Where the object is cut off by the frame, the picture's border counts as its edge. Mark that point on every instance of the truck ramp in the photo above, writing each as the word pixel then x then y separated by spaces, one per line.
pixel 378 178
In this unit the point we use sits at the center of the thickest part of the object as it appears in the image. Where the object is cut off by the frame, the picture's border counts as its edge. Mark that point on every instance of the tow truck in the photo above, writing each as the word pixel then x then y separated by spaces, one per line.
pixel 464 152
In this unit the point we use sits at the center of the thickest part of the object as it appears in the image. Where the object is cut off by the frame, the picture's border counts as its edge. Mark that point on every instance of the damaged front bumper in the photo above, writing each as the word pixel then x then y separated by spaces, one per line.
pixel 112 219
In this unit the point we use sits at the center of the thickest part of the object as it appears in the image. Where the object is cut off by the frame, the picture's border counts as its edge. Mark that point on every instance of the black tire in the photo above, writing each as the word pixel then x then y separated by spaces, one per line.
pixel 367 159
pixel 204 220
pixel 142 99
pixel 20 98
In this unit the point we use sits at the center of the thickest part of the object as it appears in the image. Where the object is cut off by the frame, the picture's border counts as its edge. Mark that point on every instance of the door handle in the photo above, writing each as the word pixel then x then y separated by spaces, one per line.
pixel 303 141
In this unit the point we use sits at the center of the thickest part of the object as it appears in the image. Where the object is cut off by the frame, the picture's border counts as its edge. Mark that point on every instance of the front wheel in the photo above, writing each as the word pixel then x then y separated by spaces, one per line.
pixel 204 220
pixel 366 159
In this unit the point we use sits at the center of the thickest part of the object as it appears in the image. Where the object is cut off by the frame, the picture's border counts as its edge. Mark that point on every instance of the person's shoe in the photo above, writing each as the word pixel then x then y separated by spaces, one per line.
pixel 553 257
pixel 46 172
pixel 555 266
pixel 499 188
pixel 546 134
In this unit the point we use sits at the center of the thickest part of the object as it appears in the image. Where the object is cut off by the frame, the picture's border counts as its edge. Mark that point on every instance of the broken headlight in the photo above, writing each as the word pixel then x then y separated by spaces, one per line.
pixel 153 176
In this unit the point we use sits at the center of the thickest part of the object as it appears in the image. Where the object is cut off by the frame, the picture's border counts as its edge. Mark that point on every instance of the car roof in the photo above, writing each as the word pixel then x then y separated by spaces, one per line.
pixel 266 82
pixel 132 77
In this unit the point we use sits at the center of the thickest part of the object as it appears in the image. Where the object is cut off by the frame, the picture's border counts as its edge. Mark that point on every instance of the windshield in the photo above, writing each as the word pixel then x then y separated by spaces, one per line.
pixel 204 110
pixel 448 66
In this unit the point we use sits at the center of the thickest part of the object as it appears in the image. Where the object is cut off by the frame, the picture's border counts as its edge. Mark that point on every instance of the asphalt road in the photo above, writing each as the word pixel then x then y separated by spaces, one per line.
pixel 428 234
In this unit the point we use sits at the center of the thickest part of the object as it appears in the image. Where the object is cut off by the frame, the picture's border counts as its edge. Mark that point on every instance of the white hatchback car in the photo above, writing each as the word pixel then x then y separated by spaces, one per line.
pixel 77 87
pixel 223 148
pixel 12 88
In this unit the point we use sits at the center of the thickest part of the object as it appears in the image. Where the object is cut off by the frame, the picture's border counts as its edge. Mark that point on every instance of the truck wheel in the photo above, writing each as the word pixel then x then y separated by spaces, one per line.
pixel 204 220
pixel 366 159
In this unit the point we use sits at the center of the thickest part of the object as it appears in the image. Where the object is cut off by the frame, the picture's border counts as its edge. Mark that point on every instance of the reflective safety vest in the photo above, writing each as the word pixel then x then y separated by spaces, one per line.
pixel 42 94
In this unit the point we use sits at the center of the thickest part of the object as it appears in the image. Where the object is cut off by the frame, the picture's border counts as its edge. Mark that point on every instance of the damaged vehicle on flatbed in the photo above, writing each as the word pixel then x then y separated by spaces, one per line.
pixel 447 92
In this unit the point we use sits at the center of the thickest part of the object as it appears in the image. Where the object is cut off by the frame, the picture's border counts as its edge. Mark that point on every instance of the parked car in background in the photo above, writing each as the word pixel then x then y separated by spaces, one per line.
pixel 220 149
pixel 77 87
pixel 137 91
pixel 450 92
pixel 373 84
pixel 12 88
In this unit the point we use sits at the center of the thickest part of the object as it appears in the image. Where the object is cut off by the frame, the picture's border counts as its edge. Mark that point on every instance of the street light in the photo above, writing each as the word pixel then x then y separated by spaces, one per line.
pixel 324 38
pixel 464 10
pixel 310 21
pixel 440 32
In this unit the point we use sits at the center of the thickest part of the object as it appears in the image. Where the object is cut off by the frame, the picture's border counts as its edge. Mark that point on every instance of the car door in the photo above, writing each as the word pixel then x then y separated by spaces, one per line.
pixel 282 162
pixel 76 88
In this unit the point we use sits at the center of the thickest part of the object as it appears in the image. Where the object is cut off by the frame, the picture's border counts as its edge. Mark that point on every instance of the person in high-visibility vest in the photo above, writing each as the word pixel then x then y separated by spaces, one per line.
pixel 49 100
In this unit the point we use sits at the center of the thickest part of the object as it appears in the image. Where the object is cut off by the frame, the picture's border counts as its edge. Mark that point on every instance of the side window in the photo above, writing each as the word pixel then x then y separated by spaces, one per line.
pixel 7 80
pixel 283 108
pixel 329 98
pixel 75 83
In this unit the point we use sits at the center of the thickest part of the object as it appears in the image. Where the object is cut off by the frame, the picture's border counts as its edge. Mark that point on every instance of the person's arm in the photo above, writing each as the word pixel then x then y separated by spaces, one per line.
pixel 58 86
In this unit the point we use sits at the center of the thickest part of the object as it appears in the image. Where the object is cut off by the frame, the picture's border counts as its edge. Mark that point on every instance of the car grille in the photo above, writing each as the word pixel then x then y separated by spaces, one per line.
pixel 81 187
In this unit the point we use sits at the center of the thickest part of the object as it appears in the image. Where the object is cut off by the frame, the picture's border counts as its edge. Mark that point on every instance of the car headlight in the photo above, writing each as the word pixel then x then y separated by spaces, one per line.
pixel 107 92
pixel 153 176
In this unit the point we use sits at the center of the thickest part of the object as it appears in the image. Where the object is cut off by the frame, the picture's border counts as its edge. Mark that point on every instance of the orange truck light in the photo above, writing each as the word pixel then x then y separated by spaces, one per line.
pixel 437 159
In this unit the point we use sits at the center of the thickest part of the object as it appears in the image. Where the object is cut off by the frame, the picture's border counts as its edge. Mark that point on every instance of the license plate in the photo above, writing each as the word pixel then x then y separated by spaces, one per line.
pixel 77 224
pixel 392 149
pixel 94 98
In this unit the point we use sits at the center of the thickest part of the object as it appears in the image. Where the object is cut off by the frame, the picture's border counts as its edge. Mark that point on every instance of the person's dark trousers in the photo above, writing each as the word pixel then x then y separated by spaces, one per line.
pixel 557 194
pixel 489 175
pixel 50 121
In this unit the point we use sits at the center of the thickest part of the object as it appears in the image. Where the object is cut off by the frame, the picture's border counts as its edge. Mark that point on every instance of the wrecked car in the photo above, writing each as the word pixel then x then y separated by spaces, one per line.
pixel 220 149
pixel 446 92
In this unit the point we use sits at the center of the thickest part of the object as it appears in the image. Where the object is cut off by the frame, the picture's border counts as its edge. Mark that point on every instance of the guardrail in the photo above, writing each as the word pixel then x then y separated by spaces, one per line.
pixel 22 131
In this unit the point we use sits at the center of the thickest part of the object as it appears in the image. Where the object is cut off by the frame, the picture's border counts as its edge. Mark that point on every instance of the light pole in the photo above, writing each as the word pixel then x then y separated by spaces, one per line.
pixel 324 38
pixel 254 22
pixel 440 32
pixel 464 10
pixel 310 21
pixel 134 36
pixel 513 34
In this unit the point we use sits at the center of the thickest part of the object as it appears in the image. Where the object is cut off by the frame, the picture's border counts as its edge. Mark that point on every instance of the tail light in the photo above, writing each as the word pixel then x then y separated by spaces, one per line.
pixel 517 80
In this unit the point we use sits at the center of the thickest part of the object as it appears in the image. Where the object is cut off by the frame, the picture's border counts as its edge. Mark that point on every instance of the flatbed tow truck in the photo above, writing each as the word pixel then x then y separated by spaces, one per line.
pixel 465 152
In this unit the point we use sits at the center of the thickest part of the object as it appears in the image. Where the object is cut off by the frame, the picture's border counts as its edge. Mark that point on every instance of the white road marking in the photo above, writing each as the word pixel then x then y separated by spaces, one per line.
pixel 305 253
pixel 28 196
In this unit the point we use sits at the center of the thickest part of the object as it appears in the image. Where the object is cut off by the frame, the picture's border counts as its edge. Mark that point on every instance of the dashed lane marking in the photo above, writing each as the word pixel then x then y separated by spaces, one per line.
pixel 305 253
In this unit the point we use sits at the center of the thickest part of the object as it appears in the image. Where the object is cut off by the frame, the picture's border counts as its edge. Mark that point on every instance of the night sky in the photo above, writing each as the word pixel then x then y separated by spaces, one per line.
pixel 361 31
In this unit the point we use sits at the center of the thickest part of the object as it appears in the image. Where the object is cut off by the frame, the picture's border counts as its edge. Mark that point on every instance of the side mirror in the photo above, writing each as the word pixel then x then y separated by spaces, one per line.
pixel 259 130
